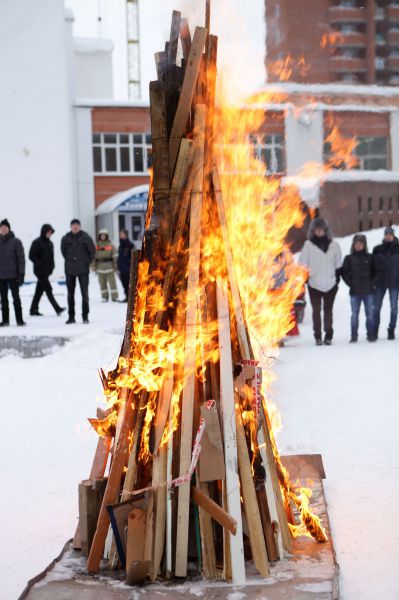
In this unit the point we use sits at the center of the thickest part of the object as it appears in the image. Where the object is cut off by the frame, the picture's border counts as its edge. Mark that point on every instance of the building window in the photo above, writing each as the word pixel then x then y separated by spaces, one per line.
pixel 372 153
pixel 359 204
pixel 381 206
pixel 126 153
pixel 270 149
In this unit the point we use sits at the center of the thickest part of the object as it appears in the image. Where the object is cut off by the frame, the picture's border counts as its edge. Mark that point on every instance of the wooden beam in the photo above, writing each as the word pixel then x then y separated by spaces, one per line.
pixel 159 476
pixel 174 37
pixel 229 432
pixel 254 522
pixel 213 509
pixel 186 96
pixel 161 165
pixel 190 345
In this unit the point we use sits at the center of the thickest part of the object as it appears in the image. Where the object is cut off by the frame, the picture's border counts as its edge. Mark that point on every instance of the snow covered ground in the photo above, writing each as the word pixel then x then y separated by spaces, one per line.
pixel 341 401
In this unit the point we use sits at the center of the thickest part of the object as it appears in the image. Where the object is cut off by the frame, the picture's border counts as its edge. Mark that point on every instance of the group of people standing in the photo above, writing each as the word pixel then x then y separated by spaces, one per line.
pixel 369 277
pixel 80 255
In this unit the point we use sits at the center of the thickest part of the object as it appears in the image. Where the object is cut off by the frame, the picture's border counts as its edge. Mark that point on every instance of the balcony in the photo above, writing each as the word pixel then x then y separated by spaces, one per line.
pixel 341 14
pixel 342 64
pixel 353 39
pixel 392 13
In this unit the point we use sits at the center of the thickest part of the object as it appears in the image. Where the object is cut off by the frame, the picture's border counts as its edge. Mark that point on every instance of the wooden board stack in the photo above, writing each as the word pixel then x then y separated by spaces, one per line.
pixel 192 485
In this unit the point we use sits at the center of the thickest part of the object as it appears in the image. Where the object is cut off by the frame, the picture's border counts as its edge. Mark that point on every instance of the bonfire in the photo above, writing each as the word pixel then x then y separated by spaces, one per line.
pixel 187 477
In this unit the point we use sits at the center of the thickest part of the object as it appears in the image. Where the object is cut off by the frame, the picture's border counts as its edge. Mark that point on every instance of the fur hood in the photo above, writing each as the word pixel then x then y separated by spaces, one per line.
pixel 317 223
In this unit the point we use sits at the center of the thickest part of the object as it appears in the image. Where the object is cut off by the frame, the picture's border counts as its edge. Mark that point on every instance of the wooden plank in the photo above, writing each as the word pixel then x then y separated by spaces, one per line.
pixel 119 460
pixel 254 522
pixel 127 338
pixel 185 38
pixel 206 533
pixel 186 96
pixel 211 460
pixel 97 472
pixel 174 37
pixel 135 536
pixel 190 346
pixel 229 432
pixel 162 412
pixel 159 522
pixel 161 62
pixel 180 178
pixel 264 443
pixel 90 496
pixel 304 466
pixel 160 146
pixel 213 509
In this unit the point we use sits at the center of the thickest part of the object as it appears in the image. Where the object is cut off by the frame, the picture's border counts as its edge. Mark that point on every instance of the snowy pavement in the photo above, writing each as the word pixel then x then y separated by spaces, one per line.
pixel 341 401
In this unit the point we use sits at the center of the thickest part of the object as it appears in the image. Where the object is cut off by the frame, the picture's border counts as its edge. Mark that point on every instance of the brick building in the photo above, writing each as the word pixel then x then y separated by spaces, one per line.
pixel 335 40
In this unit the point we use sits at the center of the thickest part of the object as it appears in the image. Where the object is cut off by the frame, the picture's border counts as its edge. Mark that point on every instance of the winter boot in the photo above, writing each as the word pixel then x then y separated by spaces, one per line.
pixel 5 316
pixel 70 321
pixel 327 340
pixel 35 313
pixel 318 341
pixel 391 334
pixel 353 339
pixel 21 323
pixel 60 310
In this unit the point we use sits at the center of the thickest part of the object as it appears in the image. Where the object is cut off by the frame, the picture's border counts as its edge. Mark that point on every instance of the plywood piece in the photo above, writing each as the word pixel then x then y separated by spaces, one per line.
pixel 211 460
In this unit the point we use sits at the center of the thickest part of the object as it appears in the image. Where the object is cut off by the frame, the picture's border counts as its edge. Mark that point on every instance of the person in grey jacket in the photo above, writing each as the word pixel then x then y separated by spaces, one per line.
pixel 322 257
pixel 78 250
pixel 12 272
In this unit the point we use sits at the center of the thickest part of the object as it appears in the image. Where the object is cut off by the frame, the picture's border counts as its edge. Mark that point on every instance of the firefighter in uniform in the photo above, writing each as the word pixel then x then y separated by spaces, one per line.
pixel 105 265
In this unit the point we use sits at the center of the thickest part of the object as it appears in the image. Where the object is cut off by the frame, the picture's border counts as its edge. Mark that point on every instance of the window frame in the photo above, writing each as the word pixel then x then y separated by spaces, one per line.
pixel 261 145
pixel 117 146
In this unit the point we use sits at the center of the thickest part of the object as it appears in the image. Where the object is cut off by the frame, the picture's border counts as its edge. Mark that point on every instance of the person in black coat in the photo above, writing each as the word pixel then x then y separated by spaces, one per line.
pixel 386 256
pixel 12 272
pixel 358 272
pixel 41 253
pixel 78 250
pixel 124 257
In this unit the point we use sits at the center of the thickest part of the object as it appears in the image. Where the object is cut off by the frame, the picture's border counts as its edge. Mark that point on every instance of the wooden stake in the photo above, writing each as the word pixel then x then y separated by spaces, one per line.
pixel 216 511
pixel 190 345
pixel 174 37
pixel 229 431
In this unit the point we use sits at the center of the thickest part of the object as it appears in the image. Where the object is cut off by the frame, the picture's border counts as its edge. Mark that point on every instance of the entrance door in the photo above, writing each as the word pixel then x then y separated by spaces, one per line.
pixel 133 223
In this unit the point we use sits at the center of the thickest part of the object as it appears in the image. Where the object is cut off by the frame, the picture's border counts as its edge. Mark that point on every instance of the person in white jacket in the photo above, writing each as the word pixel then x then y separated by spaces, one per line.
pixel 322 257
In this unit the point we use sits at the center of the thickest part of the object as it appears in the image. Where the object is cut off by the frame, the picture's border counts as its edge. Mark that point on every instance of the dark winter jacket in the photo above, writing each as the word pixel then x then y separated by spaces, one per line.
pixel 12 258
pixel 358 272
pixel 78 250
pixel 386 257
pixel 124 255
pixel 42 253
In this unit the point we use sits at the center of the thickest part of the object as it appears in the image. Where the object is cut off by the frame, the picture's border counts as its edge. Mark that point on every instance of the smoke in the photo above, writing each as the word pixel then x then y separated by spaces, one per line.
pixel 239 26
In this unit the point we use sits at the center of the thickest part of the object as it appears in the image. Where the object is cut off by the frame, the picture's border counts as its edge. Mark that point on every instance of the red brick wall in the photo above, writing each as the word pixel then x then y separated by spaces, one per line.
pixel 108 185
pixel 120 120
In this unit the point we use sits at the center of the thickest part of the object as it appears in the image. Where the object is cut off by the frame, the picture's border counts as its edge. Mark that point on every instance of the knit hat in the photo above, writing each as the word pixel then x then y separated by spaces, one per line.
pixel 319 223
pixel 75 222
pixel 389 231
pixel 6 223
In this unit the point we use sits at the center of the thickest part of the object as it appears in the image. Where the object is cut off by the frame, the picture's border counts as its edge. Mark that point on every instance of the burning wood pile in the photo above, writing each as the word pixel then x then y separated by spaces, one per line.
pixel 194 484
